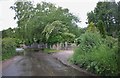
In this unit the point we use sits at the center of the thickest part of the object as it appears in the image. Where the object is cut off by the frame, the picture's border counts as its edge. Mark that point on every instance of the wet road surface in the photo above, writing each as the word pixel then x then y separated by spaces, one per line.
pixel 37 64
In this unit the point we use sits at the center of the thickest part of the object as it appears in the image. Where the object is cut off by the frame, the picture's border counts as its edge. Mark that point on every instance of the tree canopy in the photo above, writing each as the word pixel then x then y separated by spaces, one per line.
pixel 44 22
pixel 108 13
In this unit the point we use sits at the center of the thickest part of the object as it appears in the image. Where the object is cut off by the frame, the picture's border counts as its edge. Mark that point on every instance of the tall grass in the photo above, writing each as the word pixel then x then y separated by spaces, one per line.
pixel 96 54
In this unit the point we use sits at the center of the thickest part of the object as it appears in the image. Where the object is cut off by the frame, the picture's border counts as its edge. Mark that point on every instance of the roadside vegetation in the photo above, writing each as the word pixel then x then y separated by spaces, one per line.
pixel 47 50
pixel 97 49
pixel 8 48
pixel 97 54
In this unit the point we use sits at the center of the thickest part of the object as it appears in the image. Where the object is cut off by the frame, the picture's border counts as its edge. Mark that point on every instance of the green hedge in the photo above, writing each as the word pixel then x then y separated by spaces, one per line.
pixel 96 54
pixel 8 48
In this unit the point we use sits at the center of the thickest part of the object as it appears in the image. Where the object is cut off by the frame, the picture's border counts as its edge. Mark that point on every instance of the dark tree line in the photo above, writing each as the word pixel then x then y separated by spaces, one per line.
pixel 106 12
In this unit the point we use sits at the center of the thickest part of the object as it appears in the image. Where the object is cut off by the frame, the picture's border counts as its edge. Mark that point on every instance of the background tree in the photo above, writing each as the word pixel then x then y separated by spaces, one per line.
pixel 107 12
pixel 101 27
pixel 8 33
pixel 23 11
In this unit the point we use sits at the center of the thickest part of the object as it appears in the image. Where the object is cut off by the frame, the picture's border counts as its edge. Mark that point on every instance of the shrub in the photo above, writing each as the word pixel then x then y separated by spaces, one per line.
pixel 100 26
pixel 96 54
pixel 89 40
pixel 8 48
pixel 91 27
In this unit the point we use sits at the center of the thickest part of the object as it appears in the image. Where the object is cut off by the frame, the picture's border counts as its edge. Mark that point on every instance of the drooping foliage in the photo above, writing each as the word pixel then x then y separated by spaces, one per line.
pixel 44 21
pixel 57 32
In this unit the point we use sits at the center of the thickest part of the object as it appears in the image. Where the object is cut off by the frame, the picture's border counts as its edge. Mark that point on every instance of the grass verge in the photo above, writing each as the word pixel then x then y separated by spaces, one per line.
pixel 49 51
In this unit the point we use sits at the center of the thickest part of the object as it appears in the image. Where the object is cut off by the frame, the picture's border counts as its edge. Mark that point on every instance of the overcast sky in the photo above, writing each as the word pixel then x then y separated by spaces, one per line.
pixel 77 7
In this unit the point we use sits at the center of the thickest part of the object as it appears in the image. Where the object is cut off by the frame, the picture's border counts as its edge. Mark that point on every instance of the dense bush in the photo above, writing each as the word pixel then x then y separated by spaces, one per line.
pixel 8 48
pixel 96 54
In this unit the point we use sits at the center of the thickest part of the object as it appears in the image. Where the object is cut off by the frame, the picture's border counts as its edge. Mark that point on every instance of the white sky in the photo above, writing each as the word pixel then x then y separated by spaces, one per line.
pixel 77 7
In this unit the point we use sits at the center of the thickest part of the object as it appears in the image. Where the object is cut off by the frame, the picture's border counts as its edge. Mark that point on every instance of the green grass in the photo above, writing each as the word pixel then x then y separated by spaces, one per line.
pixel 8 56
pixel 50 50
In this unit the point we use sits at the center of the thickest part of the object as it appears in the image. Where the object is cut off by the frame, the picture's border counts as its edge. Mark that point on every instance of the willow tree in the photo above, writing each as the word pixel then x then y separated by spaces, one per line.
pixel 33 20
pixel 57 32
